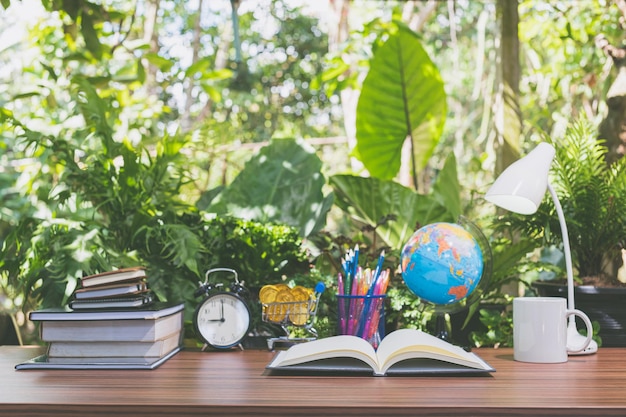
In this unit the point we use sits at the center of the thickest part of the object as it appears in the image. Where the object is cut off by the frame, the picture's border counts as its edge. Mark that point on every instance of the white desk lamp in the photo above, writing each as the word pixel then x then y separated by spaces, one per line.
pixel 520 189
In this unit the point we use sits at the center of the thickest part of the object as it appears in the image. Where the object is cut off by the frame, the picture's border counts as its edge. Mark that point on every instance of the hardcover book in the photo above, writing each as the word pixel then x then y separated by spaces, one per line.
pixel 103 291
pixel 109 339
pixel 155 349
pixel 153 311
pixel 128 330
pixel 402 352
pixel 134 301
pixel 46 362
pixel 109 277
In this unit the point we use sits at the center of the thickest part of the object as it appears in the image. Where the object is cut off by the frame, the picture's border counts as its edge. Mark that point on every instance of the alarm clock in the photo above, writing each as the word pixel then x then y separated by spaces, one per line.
pixel 223 318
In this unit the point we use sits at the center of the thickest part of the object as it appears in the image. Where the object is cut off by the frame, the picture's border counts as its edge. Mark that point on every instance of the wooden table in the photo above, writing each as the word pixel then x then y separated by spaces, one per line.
pixel 235 383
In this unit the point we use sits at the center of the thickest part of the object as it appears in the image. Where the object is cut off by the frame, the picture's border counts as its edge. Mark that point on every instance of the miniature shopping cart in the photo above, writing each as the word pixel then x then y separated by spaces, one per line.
pixel 292 307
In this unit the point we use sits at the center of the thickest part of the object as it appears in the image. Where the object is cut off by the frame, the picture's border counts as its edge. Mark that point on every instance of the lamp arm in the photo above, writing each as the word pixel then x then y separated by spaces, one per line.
pixel 566 249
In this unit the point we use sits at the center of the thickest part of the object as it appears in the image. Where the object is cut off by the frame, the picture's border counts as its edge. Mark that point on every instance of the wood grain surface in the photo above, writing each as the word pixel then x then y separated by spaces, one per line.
pixel 236 383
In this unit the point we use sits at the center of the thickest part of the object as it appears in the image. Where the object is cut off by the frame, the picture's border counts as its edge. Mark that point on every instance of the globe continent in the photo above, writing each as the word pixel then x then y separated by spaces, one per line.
pixel 442 263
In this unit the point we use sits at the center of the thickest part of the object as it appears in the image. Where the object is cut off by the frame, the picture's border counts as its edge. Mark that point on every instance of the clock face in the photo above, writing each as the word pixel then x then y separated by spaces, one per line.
pixel 222 320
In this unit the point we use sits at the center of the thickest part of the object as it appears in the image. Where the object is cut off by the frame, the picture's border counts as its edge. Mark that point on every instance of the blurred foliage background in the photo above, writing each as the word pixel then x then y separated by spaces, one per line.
pixel 270 136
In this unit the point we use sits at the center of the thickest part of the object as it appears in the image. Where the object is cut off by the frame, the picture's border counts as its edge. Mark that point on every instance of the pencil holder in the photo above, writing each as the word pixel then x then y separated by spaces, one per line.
pixel 362 316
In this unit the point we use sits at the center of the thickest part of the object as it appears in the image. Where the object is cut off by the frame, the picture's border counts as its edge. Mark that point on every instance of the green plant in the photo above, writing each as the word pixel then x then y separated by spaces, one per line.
pixel 281 184
pixel 593 196
pixel 499 329
pixel 402 97
pixel 387 214
pixel 368 200
pixel 402 101
pixel 110 204
pixel 511 264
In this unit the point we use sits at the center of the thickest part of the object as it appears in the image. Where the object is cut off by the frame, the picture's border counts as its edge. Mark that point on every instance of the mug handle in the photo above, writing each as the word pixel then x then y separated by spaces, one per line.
pixel 585 319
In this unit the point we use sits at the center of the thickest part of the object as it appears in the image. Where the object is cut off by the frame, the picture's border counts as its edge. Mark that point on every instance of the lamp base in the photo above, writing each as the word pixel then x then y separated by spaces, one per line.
pixel 576 339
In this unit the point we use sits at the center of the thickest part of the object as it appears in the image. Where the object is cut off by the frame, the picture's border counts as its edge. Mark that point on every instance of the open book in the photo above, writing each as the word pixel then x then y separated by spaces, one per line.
pixel 402 352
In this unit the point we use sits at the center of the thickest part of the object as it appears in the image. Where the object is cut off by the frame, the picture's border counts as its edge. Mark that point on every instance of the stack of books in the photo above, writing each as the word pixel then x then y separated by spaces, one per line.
pixel 113 334
pixel 122 288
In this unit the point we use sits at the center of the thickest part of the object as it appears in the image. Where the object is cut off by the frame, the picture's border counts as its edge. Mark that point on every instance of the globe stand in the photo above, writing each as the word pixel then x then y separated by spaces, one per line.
pixel 441 329
pixel 441 332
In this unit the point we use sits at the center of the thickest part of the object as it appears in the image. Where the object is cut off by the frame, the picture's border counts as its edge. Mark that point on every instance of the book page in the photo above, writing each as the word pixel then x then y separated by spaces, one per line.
pixel 409 343
pixel 329 347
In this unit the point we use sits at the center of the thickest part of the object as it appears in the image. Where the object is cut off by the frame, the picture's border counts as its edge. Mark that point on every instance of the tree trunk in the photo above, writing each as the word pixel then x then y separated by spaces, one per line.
pixel 613 126
pixel 508 120
pixel 337 35
pixel 151 36
pixel 186 123
pixel 507 113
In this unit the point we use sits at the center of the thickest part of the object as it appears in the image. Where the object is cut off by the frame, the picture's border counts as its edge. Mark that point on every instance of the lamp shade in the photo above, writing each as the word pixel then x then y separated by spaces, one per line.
pixel 521 187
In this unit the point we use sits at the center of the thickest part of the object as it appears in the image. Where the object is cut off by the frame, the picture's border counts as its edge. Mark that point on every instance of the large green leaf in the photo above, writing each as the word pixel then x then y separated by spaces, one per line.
pixel 90 35
pixel 446 189
pixel 368 200
pixel 402 96
pixel 282 184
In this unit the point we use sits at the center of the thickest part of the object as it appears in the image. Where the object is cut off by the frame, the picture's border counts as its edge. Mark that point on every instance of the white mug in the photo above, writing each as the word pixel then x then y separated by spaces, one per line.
pixel 540 329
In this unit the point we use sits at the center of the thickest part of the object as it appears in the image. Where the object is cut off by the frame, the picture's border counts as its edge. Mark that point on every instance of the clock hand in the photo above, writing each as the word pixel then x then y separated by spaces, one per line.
pixel 221 319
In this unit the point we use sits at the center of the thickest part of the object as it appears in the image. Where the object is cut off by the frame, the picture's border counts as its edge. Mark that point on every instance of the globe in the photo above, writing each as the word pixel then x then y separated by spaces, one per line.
pixel 442 263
